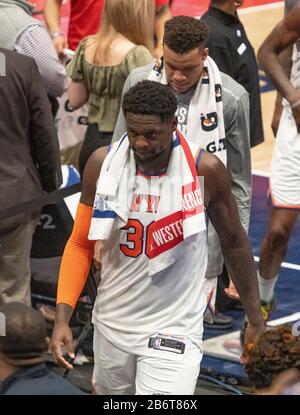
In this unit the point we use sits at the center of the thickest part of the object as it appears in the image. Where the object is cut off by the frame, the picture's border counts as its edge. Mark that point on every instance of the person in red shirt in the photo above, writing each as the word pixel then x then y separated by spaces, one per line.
pixel 85 19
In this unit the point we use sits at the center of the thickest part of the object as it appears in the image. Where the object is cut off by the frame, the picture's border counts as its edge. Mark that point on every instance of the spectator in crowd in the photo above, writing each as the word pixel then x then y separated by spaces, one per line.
pixel 230 48
pixel 19 31
pixel 101 64
pixel 29 165
pixel 85 20
pixel 22 367
pixel 183 63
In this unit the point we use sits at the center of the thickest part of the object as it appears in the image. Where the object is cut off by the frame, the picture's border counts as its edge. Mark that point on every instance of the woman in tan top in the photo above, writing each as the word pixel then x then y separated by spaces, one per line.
pixel 102 63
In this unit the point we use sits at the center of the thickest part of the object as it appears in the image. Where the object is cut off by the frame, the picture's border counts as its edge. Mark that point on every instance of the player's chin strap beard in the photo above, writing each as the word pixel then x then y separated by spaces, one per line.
pixel 152 164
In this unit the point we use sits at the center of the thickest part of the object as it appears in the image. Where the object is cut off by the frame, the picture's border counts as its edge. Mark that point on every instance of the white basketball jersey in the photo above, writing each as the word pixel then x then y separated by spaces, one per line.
pixel 295 71
pixel 132 307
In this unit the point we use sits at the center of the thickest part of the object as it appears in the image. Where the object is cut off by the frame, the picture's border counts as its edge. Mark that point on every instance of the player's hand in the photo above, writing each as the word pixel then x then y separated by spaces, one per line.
pixel 60 43
pixel 231 291
pixel 276 118
pixel 62 335
pixel 98 254
pixel 252 335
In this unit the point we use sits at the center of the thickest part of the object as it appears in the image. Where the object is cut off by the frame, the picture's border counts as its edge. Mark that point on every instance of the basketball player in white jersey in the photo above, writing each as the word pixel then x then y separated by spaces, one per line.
pixel 285 168
pixel 148 328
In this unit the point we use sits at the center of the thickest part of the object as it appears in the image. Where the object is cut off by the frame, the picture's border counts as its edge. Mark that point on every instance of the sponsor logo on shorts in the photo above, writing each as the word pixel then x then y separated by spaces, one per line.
pixel 167 343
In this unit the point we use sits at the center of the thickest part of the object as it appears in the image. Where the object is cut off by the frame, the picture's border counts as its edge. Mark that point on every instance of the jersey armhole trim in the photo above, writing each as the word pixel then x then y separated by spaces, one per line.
pixel 198 157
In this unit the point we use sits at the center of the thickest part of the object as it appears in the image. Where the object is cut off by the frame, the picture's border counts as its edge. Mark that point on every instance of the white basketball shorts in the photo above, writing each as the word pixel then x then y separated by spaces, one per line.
pixel 285 167
pixel 120 373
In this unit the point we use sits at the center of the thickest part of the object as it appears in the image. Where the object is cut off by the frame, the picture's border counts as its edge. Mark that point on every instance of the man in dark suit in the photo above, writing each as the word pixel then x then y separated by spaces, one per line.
pixel 230 48
pixel 29 165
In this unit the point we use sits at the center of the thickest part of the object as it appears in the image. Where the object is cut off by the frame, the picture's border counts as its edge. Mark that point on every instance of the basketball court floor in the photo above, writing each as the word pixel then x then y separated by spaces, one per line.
pixel 221 350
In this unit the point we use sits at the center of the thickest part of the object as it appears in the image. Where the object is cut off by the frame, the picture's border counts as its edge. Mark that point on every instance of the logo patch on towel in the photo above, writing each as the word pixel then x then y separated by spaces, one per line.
pixel 100 204
pixel 205 76
pixel 218 91
pixel 209 121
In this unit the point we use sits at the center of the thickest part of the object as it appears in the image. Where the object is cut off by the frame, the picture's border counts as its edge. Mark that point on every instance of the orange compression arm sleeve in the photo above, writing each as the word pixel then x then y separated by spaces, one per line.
pixel 76 259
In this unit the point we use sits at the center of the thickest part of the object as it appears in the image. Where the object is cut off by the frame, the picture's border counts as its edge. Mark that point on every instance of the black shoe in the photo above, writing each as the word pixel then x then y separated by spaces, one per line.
pixel 220 322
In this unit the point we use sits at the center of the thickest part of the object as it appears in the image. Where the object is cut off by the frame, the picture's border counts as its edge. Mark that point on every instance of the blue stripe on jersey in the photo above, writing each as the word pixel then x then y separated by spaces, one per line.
pixel 108 147
pixel 104 214
pixel 175 142
pixel 197 162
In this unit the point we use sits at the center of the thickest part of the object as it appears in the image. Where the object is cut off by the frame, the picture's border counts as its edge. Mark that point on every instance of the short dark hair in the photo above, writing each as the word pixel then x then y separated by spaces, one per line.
pixel 25 336
pixel 213 2
pixel 217 2
pixel 184 33
pixel 150 98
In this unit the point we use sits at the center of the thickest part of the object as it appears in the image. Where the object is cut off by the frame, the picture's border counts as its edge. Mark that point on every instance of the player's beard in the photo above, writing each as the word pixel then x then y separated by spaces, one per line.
pixel 153 158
